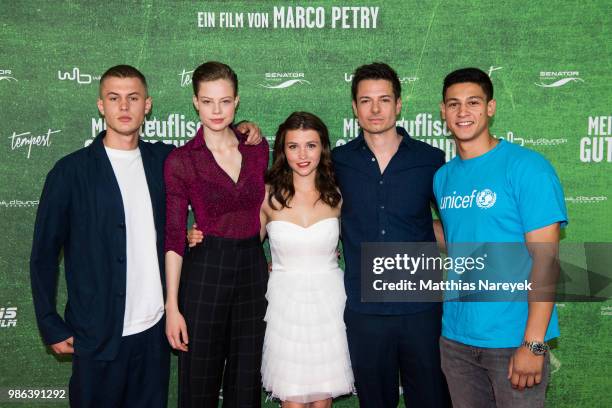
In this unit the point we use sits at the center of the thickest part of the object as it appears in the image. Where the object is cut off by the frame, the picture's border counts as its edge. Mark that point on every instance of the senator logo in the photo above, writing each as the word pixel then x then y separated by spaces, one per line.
pixel 281 80
pixel 484 199
pixel 7 75
pixel 8 317
pixel 556 79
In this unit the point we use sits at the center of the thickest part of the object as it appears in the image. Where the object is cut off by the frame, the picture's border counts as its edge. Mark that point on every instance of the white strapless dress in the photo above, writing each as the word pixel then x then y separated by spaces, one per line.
pixel 305 353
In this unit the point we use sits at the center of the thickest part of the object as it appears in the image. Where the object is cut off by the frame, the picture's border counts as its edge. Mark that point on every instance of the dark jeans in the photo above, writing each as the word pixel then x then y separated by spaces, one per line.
pixel 136 378
pixel 387 348
pixel 478 377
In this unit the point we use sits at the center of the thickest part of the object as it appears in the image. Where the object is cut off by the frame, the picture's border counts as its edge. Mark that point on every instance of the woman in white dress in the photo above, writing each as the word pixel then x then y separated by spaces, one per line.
pixel 305 357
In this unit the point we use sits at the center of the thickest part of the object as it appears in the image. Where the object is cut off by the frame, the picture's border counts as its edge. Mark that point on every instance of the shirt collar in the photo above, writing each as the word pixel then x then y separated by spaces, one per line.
pixel 406 139
pixel 198 139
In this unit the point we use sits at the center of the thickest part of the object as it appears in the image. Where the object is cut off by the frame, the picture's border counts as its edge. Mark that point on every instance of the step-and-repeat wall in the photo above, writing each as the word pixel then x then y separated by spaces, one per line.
pixel 550 63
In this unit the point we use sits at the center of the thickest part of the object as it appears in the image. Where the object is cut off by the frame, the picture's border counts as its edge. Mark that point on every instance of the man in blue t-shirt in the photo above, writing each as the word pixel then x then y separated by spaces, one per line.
pixel 494 353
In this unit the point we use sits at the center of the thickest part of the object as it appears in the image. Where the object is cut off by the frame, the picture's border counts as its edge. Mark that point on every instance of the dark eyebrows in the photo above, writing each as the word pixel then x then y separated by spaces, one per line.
pixel 369 97
pixel 468 98
pixel 306 142
pixel 223 99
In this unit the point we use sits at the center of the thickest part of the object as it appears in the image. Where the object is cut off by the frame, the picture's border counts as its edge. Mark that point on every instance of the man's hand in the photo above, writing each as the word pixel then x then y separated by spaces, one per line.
pixel 176 330
pixel 63 347
pixel 194 236
pixel 525 369
pixel 252 131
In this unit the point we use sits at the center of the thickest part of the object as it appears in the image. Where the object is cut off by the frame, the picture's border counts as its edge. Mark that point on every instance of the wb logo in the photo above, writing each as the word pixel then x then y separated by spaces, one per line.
pixel 8 317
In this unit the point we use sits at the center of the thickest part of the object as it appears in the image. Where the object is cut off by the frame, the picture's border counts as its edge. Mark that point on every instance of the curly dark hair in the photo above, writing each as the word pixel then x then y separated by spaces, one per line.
pixel 280 176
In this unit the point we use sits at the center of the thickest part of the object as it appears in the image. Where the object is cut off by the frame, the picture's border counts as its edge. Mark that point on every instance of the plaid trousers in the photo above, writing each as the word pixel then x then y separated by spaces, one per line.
pixel 222 297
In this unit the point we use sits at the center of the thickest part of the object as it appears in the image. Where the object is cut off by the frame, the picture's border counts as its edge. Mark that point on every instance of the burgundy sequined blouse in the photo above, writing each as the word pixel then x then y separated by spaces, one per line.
pixel 221 207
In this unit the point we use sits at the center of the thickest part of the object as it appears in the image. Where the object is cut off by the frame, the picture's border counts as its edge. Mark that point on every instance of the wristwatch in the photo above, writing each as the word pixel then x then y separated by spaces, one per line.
pixel 536 347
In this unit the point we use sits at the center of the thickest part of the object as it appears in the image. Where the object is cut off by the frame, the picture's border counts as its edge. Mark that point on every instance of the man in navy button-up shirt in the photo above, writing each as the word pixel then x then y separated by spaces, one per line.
pixel 386 181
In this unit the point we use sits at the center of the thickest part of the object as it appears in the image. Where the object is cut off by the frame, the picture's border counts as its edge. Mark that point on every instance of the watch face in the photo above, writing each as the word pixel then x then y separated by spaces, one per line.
pixel 538 348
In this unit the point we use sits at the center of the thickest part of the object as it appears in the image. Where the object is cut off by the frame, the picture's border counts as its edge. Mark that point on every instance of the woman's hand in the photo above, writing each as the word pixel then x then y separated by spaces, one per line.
pixel 251 130
pixel 194 236
pixel 176 330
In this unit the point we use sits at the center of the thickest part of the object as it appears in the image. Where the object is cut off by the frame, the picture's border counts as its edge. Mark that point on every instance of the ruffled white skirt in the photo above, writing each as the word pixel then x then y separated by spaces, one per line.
pixel 305 354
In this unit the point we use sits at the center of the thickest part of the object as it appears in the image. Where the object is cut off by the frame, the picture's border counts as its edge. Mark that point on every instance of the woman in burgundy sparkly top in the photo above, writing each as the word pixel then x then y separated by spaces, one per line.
pixel 216 291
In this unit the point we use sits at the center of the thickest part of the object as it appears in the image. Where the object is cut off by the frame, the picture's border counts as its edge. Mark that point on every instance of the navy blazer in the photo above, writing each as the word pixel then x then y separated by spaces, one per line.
pixel 81 212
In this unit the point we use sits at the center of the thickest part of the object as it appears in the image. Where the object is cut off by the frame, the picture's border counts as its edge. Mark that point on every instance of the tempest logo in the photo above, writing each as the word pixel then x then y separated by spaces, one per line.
pixel 186 78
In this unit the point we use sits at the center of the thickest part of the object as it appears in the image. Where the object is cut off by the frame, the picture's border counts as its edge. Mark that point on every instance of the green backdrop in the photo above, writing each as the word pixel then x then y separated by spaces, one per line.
pixel 550 63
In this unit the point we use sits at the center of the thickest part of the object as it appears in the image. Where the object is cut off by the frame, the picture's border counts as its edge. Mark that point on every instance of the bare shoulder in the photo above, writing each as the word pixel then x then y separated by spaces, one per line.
pixel 336 211
pixel 266 194
pixel 338 208
pixel 270 206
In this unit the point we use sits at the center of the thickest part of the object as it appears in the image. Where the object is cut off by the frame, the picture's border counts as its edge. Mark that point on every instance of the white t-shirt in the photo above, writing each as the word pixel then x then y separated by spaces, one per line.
pixel 144 303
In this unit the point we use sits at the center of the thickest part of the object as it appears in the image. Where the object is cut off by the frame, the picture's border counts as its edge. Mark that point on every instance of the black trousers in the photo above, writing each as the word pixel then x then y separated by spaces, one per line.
pixel 385 349
pixel 222 297
pixel 136 378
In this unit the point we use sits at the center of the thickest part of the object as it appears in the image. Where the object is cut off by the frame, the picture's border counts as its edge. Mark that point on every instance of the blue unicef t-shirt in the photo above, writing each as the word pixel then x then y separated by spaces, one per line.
pixel 496 197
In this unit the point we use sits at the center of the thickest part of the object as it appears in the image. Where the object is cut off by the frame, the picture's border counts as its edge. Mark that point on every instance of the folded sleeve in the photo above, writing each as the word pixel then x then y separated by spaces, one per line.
pixel 177 201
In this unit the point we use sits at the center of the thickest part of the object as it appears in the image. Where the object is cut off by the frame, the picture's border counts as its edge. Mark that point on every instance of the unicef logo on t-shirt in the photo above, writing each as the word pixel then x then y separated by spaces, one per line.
pixel 486 198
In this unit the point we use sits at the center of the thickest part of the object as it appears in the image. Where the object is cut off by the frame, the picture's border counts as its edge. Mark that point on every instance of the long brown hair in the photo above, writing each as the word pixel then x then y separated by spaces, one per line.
pixel 280 176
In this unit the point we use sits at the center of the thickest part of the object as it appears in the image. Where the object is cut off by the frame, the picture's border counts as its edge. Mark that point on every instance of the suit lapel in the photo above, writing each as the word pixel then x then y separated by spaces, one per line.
pixel 154 182
pixel 108 193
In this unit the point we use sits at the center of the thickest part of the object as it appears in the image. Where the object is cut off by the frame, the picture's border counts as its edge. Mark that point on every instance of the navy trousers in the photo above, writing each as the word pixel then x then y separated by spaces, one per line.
pixel 137 377
pixel 387 349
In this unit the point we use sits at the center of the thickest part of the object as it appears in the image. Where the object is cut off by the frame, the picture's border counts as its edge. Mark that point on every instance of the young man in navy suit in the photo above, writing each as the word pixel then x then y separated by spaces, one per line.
pixel 104 206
